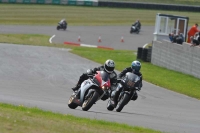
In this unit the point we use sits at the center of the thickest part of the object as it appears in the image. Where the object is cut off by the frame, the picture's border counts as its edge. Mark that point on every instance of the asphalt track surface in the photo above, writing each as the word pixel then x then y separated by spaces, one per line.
pixel 42 77
pixel 110 35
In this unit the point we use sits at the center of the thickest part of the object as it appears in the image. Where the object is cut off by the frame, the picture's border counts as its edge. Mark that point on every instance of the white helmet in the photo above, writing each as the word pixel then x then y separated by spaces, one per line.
pixel 109 66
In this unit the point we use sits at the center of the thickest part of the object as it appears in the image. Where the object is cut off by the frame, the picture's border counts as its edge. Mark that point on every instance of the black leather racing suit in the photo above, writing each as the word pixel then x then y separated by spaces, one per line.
pixel 85 76
pixel 137 25
pixel 115 93
pixel 129 69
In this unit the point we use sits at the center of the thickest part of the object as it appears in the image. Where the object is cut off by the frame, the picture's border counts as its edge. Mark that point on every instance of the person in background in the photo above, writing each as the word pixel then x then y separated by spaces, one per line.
pixel 179 39
pixel 63 22
pixel 137 24
pixel 192 32
pixel 195 40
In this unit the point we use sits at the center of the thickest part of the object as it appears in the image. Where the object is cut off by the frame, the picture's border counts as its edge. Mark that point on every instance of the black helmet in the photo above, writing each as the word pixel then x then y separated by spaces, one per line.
pixel 136 65
pixel 109 66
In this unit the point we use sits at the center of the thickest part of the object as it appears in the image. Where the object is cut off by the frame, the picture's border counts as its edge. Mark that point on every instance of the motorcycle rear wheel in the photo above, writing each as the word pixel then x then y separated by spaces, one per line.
pixel 87 104
pixel 65 28
pixel 71 104
pixel 122 102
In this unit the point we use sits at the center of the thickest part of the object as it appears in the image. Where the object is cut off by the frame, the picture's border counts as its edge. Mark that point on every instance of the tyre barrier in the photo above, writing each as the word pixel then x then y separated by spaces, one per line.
pixel 139 53
pixel 144 54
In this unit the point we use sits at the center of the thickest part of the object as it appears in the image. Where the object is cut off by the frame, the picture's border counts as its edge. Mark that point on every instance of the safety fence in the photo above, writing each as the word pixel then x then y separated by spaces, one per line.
pixel 58 2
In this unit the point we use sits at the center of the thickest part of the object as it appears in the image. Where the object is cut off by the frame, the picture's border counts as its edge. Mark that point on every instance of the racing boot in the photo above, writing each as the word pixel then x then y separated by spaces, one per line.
pixel 135 96
pixel 114 97
pixel 76 87
pixel 78 94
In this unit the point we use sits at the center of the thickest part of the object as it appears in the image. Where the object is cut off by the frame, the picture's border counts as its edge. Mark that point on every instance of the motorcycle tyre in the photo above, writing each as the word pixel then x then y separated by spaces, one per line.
pixel 110 107
pixel 58 27
pixel 71 104
pixel 87 104
pixel 123 101
pixel 65 28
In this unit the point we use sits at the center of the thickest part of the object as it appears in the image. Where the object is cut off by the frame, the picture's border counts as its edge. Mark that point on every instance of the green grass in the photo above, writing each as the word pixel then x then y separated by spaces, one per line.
pixel 19 119
pixel 172 80
pixel 183 2
pixel 21 14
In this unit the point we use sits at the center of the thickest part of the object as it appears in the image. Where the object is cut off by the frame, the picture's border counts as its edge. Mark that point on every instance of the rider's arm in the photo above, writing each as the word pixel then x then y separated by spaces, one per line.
pixel 123 73
pixel 97 69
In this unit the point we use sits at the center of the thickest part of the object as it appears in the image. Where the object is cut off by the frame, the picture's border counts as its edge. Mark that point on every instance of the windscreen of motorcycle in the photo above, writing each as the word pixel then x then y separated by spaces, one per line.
pixel 130 79
pixel 102 78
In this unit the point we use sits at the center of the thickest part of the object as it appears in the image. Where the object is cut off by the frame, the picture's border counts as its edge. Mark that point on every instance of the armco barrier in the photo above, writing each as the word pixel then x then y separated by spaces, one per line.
pixel 27 1
pixel 110 4
pixel 149 6
pixel 62 2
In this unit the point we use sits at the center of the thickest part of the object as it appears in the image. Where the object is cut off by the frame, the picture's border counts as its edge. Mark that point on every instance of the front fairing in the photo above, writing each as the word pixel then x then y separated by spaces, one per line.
pixel 129 80
pixel 102 79
pixel 86 85
pixel 100 82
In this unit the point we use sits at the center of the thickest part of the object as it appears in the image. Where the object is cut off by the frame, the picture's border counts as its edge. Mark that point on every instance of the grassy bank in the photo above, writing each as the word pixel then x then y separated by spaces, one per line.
pixel 19 119
pixel 18 14
pixel 171 80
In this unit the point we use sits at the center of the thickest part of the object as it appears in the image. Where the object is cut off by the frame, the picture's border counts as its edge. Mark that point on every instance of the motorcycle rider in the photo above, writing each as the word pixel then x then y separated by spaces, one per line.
pixel 63 22
pixel 135 69
pixel 137 25
pixel 108 66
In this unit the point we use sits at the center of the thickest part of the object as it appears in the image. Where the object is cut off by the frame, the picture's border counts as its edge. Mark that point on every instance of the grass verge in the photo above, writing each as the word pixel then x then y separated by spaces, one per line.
pixel 23 14
pixel 169 79
pixel 19 119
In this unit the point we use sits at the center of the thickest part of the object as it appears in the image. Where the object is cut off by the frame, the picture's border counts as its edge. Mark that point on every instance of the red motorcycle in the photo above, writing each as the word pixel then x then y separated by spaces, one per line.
pixel 91 91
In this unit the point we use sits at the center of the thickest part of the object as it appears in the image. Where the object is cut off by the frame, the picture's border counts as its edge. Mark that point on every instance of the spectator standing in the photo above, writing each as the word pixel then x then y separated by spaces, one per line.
pixel 196 39
pixel 192 32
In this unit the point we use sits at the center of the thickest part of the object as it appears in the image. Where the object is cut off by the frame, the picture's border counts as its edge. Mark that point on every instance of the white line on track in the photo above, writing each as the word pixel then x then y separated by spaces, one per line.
pixel 51 38
pixel 145 45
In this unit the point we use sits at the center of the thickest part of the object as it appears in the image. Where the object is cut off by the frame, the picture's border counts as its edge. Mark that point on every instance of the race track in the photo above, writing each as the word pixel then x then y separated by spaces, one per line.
pixel 110 35
pixel 42 77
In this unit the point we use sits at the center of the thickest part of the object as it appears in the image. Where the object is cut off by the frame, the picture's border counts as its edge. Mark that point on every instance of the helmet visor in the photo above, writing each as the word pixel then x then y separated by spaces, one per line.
pixel 109 69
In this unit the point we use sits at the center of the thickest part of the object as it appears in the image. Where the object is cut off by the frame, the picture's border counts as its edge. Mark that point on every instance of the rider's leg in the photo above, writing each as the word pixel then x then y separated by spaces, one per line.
pixel 114 96
pixel 83 77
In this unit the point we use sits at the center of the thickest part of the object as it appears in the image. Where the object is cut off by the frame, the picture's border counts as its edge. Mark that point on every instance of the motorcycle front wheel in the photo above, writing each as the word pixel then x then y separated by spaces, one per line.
pixel 58 27
pixel 122 102
pixel 90 100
